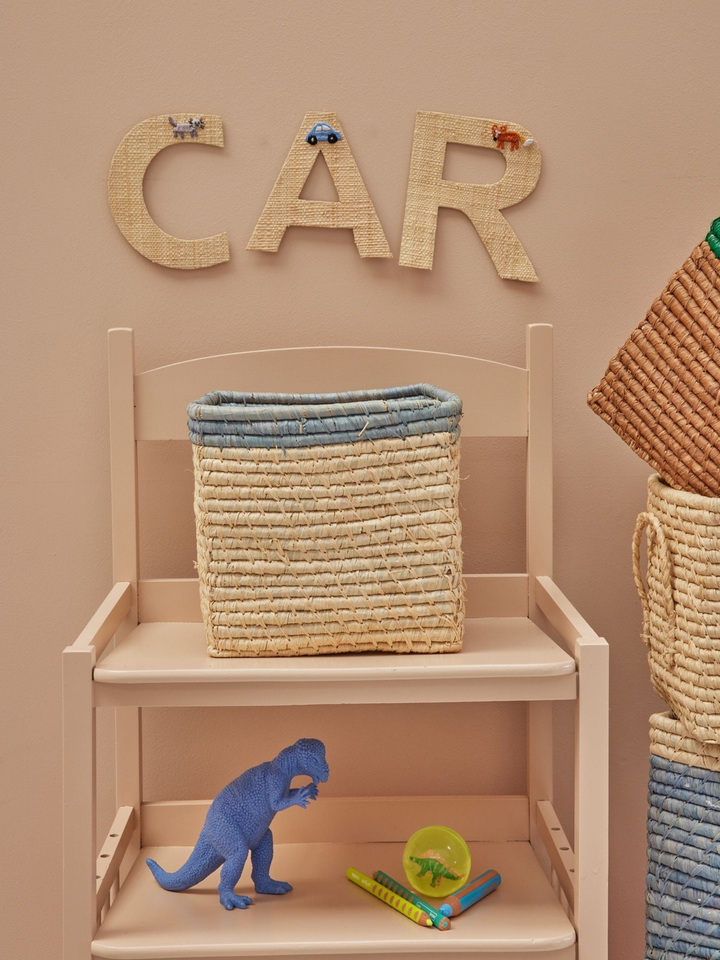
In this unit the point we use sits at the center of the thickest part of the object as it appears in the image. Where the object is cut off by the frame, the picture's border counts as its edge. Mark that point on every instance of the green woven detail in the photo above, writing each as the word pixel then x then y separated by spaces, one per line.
pixel 713 242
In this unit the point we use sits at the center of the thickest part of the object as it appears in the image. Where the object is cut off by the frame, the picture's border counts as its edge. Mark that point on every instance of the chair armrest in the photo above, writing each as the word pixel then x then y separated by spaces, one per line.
pixel 106 619
pixel 575 632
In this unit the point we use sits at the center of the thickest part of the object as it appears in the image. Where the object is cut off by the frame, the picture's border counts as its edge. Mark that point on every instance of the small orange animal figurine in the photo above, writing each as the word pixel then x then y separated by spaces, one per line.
pixel 501 135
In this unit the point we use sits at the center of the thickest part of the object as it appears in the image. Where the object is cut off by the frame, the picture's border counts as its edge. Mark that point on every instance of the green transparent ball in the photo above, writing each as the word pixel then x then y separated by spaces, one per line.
pixel 436 861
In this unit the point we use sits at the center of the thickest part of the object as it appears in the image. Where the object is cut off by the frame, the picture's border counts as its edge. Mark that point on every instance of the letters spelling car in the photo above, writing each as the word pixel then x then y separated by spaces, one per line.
pixel 323 131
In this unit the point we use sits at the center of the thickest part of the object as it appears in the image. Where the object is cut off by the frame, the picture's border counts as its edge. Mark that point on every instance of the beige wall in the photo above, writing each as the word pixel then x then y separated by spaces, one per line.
pixel 622 99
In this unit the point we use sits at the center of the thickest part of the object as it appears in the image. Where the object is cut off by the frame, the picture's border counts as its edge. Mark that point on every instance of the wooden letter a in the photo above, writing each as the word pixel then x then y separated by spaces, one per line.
pixel 354 209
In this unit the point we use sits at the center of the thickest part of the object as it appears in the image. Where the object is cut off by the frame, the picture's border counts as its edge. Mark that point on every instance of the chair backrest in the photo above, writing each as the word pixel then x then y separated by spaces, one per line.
pixel 498 401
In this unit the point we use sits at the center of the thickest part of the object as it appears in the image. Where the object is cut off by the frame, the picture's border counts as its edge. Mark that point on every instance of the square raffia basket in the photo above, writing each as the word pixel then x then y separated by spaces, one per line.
pixel 661 391
pixel 328 523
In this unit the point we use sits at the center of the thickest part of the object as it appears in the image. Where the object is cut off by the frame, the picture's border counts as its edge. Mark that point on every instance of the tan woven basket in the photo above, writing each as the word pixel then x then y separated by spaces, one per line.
pixel 681 603
pixel 329 524
pixel 669 739
pixel 660 392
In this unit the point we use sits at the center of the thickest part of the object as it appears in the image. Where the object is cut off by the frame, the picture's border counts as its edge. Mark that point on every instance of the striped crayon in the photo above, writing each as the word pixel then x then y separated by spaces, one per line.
pixel 408 909
pixel 439 920
pixel 472 892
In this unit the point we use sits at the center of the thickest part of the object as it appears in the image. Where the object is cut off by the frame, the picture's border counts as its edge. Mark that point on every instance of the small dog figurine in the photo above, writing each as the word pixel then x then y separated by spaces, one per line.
pixel 192 126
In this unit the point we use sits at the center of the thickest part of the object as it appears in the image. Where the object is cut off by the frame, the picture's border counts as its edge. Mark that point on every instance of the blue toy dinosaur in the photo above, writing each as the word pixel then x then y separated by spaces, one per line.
pixel 238 823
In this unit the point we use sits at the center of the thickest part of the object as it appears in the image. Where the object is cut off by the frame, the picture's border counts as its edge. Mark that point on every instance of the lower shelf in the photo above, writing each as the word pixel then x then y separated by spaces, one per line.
pixel 327 915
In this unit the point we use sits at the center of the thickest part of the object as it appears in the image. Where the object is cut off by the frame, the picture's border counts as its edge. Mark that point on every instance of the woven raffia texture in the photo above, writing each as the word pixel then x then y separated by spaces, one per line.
pixel 127 201
pixel 329 524
pixel 681 602
pixel 683 876
pixel 660 392
pixel 481 203
pixel 353 209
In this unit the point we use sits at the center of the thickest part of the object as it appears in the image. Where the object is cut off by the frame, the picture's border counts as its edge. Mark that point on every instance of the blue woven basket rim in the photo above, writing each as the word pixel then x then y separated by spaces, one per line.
pixel 230 405
pixel 227 418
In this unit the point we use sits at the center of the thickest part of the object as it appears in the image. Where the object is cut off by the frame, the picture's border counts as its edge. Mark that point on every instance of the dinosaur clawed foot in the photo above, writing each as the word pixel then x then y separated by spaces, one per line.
pixel 233 901
pixel 272 886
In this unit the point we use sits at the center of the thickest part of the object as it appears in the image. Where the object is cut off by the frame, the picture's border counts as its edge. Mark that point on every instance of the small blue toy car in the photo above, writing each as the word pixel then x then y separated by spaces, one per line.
pixel 323 131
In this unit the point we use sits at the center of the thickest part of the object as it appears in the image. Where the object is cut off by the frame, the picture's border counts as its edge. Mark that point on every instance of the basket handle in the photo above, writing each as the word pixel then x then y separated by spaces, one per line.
pixel 655 538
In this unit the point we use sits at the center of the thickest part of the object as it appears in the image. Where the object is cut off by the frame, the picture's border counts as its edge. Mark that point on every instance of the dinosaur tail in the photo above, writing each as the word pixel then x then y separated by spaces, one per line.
pixel 200 864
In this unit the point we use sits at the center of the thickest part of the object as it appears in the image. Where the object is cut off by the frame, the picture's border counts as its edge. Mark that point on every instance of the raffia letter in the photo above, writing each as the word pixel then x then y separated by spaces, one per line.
pixel 353 210
pixel 482 203
pixel 127 202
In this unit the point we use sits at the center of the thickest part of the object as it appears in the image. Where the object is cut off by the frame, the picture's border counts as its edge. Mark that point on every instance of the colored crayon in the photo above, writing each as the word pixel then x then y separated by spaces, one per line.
pixel 472 892
pixel 408 909
pixel 439 920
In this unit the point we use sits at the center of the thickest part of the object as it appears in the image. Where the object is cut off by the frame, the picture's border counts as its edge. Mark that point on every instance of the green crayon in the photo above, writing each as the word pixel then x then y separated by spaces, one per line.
pixel 439 921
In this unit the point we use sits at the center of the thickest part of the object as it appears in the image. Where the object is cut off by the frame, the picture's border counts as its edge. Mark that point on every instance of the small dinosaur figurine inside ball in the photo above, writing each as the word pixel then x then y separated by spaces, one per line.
pixel 238 823
pixel 436 861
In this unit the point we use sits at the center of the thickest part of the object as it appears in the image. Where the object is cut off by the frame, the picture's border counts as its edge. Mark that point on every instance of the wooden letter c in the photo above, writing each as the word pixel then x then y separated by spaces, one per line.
pixel 125 192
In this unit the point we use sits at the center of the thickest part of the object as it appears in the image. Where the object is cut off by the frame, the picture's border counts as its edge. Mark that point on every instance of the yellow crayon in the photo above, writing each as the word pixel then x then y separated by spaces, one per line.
pixel 408 910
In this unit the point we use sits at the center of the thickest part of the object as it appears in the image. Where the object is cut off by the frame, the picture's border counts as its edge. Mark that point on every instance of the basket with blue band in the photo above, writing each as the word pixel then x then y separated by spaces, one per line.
pixel 328 523
pixel 683 878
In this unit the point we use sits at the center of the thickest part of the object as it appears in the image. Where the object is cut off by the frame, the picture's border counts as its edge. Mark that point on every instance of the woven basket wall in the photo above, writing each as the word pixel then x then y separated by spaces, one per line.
pixel 683 877
pixel 329 524
pixel 681 603
pixel 661 390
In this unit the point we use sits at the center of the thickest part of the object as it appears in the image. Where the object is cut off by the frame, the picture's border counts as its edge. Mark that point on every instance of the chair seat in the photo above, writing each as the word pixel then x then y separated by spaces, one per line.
pixel 509 654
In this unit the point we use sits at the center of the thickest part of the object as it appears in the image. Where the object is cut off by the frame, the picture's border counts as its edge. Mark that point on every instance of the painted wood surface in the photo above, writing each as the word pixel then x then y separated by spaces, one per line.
pixel 327 915
pixel 510 647
pixel 539 477
pixel 592 706
pixel 562 615
pixel 104 623
pixel 558 847
pixel 111 855
pixel 539 550
pixel 126 560
pixel 79 793
pixel 591 798
pixel 353 819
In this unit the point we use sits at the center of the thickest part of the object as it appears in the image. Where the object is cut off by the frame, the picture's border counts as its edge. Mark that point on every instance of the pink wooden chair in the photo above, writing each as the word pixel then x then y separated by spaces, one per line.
pixel 523 641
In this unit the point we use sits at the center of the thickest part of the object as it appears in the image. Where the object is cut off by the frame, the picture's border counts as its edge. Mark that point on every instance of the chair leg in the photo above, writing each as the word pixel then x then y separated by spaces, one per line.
pixel 539 766
pixel 79 847
pixel 591 801
pixel 128 772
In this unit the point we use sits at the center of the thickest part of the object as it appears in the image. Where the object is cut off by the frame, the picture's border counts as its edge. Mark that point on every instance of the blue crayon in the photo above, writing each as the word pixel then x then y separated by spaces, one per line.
pixel 472 892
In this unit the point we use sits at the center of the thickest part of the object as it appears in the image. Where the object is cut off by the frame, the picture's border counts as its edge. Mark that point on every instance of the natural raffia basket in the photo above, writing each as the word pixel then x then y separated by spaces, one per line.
pixel 683 875
pixel 661 391
pixel 681 604
pixel 328 524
